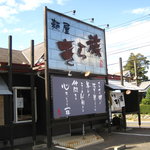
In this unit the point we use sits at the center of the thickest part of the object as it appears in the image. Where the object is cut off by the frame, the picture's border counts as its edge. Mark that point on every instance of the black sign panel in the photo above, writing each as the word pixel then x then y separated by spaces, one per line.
pixel 73 97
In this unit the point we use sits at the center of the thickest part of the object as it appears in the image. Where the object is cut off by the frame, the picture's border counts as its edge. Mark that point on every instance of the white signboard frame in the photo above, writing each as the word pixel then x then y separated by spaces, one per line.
pixel 73 45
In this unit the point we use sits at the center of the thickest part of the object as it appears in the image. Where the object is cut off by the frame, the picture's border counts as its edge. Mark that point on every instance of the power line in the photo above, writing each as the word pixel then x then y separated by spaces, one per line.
pixel 132 39
pixel 126 23
pixel 125 41
pixel 130 49
pixel 118 29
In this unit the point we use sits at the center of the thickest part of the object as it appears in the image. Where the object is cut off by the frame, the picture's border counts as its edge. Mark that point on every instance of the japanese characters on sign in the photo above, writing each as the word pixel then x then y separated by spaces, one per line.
pixel 117 99
pixel 77 97
pixel 74 45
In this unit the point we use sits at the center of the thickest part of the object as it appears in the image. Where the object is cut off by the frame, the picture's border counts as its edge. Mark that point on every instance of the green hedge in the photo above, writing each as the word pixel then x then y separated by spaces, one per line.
pixel 145 109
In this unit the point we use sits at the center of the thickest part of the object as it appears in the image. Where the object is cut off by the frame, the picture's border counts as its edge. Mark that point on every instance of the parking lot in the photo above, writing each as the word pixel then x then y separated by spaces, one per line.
pixel 133 138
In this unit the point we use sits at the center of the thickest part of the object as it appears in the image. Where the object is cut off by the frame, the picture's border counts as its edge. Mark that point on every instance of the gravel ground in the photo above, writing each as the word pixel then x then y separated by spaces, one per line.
pixel 134 117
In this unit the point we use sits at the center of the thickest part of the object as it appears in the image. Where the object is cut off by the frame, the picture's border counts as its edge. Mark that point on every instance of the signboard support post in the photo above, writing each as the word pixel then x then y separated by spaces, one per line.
pixel 108 109
pixel 83 130
pixel 47 87
pixel 107 91
pixel 70 126
pixel 124 117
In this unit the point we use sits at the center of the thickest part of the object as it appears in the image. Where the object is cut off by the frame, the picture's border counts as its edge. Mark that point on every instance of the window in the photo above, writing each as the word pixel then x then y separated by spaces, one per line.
pixel 23 104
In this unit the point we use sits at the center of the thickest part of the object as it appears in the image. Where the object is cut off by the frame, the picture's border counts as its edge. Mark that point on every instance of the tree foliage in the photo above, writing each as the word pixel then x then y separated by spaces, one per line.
pixel 142 65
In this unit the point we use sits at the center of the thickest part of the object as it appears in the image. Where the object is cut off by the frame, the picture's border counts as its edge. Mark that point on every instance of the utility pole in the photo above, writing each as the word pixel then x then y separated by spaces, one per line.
pixel 135 70
pixel 122 83
pixel 121 71
pixel 136 79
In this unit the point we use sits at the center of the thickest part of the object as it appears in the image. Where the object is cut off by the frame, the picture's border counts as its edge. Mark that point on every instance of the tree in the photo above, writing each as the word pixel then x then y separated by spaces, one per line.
pixel 142 64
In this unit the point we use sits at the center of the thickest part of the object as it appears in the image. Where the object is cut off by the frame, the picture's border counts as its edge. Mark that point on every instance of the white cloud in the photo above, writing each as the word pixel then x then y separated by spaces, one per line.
pixel 5 30
pixel 145 10
pixel 1 23
pixel 9 8
pixel 30 31
pixel 2 1
pixel 32 4
pixel 61 2
pixel 6 11
pixel 11 3
pixel 18 30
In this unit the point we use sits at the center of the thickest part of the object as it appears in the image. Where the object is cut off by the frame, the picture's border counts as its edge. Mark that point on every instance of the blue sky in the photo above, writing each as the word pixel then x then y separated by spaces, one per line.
pixel 23 19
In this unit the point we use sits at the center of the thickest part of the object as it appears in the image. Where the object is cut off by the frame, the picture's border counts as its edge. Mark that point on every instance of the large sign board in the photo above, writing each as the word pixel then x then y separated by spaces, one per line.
pixel 74 45
pixel 73 97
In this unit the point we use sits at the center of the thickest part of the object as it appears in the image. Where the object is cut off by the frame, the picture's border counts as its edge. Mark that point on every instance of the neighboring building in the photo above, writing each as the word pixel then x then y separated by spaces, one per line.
pixel 39 53
pixel 22 57
pixel 126 75
pixel 144 86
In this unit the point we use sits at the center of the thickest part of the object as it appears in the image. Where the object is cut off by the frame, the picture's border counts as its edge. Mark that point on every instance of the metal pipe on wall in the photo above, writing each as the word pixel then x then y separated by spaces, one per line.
pixel 32 82
pixel 10 88
pixel 121 71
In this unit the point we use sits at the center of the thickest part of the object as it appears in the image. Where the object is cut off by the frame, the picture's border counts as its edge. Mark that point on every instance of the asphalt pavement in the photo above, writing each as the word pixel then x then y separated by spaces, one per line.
pixel 133 138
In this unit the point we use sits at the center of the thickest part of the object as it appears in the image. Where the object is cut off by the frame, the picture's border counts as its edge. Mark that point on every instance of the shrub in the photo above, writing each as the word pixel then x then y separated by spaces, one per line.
pixel 148 94
pixel 145 101
pixel 144 109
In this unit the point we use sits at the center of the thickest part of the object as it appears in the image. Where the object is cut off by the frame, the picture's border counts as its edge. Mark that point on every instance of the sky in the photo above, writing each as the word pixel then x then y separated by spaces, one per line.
pixel 128 32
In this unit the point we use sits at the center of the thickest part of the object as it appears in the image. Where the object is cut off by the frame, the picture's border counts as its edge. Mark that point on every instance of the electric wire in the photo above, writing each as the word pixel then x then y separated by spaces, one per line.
pixel 121 50
pixel 135 24
pixel 130 49
pixel 144 35
pixel 128 22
